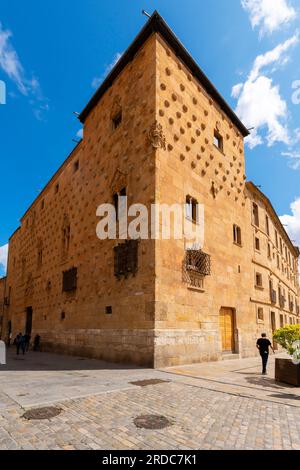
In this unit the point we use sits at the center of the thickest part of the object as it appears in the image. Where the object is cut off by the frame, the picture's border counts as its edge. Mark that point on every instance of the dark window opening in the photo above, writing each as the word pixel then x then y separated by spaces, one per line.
pixel 117 120
pixel 259 281
pixel 255 215
pixel 237 235
pixel 192 208
pixel 56 188
pixel 62 315
pixel 76 166
pixel 70 280
pixel 257 244
pixel 126 258
pixel 218 141
pixel 43 204
pixel 108 310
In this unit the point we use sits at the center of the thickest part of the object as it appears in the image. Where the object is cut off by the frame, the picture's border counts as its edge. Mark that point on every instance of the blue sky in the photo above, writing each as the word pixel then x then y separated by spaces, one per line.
pixel 52 53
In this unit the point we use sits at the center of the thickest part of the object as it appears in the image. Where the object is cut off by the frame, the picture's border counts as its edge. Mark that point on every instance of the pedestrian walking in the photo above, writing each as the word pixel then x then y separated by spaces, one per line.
pixel 263 344
pixel 18 342
pixel 27 341
pixel 36 343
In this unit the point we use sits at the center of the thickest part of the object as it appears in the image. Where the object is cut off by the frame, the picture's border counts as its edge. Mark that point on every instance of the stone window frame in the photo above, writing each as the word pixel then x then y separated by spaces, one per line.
pixel 259 280
pixel 260 314
pixel 237 235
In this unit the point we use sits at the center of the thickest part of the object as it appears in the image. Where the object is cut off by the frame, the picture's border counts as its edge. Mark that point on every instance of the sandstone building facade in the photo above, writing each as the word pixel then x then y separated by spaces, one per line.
pixel 158 131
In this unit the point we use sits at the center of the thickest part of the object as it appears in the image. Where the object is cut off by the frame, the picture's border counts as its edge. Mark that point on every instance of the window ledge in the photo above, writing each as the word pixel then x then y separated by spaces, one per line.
pixel 197 289
pixel 259 288
pixel 240 245
pixel 221 151
pixel 261 322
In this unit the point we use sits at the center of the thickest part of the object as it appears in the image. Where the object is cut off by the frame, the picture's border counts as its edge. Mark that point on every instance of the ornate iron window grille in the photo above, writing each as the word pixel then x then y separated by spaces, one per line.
pixel 126 258
pixel 198 262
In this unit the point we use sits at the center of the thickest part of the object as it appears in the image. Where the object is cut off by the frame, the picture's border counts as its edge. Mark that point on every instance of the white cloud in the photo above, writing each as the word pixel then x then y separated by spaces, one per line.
pixel 269 15
pixel 292 222
pixel 80 134
pixel 3 256
pixel 13 68
pixel 236 90
pixel 98 80
pixel 294 159
pixel 276 57
pixel 260 104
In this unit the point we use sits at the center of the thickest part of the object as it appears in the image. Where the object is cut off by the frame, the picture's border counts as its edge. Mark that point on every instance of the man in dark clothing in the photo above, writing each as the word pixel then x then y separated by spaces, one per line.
pixel 27 341
pixel 36 344
pixel 18 342
pixel 263 345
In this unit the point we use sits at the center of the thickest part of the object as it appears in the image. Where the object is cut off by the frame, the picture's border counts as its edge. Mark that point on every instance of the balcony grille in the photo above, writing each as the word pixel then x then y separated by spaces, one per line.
pixel 282 301
pixel 199 262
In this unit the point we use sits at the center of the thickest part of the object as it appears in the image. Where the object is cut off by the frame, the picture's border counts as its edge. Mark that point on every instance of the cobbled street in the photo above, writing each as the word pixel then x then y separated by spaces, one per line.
pixel 224 405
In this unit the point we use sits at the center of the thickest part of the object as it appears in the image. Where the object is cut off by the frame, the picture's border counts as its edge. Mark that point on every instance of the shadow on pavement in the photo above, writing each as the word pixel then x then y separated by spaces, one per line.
pixel 43 361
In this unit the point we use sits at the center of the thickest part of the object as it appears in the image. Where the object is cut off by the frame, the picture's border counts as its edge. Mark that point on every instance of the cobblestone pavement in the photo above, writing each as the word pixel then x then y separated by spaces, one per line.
pixel 202 415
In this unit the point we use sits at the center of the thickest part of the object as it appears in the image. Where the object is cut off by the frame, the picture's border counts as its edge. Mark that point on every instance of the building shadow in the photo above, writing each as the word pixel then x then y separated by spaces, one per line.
pixel 265 381
pixel 45 361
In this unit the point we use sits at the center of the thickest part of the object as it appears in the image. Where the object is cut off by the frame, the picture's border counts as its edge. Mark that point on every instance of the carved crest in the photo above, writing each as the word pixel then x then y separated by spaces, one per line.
pixel 119 181
pixel 156 136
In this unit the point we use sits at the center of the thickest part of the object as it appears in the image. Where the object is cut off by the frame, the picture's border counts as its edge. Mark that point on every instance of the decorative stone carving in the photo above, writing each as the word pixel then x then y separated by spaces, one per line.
pixel 214 191
pixel 156 136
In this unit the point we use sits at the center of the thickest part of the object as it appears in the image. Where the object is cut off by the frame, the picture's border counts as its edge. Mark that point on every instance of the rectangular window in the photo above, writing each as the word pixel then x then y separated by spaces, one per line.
pixel 76 166
pixel 70 280
pixel 269 251
pixel 260 314
pixel 267 225
pixel 218 141
pixel 276 238
pixel 281 321
pixel 117 120
pixel 237 235
pixel 255 214
pixel 259 281
pixel 56 188
pixel 257 244
pixel 191 208
pixel 126 258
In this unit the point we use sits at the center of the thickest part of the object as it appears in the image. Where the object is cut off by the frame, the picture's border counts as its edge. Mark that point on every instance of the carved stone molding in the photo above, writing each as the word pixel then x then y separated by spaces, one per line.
pixel 156 136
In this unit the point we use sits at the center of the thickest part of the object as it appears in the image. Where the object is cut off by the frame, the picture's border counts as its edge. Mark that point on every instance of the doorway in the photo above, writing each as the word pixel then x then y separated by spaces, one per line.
pixel 273 327
pixel 28 325
pixel 227 329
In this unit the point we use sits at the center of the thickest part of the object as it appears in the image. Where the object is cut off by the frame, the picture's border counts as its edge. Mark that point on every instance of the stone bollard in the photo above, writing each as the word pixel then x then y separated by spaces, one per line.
pixel 2 353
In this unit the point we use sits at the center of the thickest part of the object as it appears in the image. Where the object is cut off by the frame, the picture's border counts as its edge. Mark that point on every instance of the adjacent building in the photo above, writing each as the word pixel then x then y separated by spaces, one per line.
pixel 156 131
